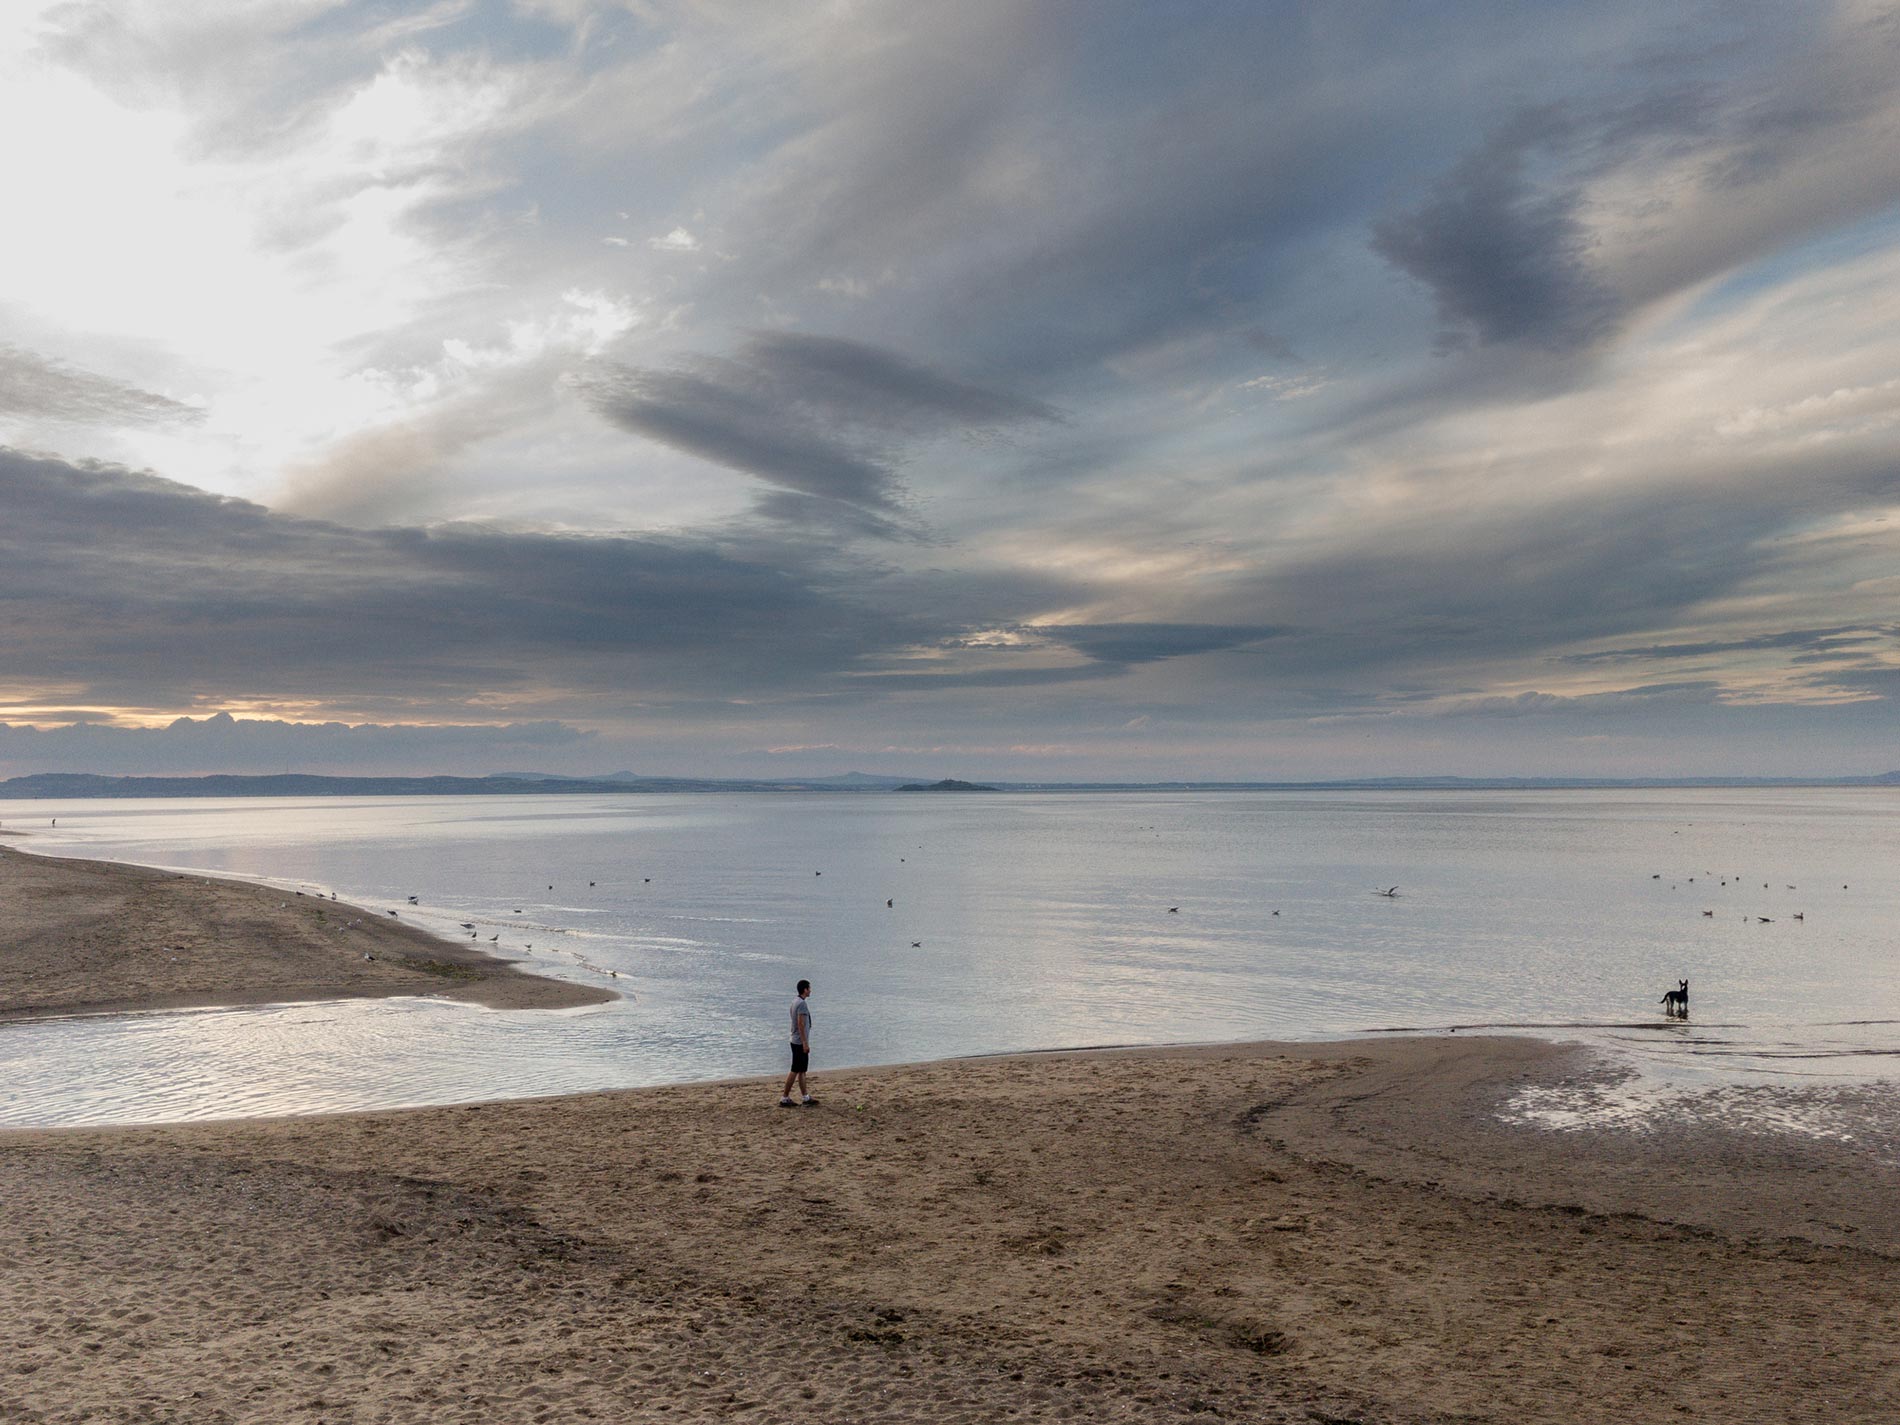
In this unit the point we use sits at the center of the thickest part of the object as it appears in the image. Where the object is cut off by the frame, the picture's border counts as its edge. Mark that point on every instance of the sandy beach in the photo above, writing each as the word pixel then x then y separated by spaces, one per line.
pixel 97 937
pixel 1274 1233
pixel 1268 1232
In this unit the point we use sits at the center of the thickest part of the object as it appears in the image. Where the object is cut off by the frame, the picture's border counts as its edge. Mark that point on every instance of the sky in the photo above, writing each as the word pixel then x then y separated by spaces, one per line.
pixel 1051 390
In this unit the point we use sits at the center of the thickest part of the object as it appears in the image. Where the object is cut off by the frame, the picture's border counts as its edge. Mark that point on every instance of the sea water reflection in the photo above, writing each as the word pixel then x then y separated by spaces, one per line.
pixel 1018 921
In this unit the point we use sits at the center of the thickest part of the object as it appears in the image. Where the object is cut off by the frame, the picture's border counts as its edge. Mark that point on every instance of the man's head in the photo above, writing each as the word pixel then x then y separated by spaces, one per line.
pixel 804 988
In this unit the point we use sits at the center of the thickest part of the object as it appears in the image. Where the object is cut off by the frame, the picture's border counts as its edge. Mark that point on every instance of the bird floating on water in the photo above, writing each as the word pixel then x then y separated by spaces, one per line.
pixel 1389 892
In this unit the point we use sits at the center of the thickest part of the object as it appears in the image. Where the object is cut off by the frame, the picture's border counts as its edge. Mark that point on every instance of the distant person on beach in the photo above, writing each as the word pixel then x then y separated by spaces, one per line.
pixel 801 1051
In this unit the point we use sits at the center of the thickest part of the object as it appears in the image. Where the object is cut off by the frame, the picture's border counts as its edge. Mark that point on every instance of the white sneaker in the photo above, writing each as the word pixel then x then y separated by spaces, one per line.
pixel 786 1103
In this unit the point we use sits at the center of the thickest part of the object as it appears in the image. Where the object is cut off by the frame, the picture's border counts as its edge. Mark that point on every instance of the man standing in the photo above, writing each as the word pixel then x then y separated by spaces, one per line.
pixel 801 1050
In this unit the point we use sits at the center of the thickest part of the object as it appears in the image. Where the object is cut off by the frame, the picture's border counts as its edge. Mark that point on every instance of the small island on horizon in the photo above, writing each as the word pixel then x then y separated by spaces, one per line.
pixel 948 784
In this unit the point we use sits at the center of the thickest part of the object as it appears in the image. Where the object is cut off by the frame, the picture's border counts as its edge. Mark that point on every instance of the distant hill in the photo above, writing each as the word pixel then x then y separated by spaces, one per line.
pixel 74 785
pixel 85 784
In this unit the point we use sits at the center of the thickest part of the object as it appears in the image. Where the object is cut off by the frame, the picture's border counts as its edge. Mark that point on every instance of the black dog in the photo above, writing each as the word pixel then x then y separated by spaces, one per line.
pixel 1676 1002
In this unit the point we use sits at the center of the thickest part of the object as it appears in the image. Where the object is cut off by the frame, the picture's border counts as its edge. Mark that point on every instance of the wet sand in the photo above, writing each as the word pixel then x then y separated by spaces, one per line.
pixel 1267 1232
pixel 95 937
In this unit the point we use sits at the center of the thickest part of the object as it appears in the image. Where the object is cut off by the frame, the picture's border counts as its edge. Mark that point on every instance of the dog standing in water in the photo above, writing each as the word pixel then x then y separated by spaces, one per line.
pixel 1676 1002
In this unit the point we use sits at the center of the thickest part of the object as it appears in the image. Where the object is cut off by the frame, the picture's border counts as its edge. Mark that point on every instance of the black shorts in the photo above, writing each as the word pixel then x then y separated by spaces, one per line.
pixel 801 1058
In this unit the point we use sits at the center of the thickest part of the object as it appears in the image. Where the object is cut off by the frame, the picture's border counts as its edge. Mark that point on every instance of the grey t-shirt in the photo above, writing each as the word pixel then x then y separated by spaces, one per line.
pixel 801 1018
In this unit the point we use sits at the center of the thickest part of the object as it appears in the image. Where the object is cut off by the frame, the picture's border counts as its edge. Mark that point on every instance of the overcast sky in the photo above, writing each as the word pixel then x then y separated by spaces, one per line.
pixel 1079 390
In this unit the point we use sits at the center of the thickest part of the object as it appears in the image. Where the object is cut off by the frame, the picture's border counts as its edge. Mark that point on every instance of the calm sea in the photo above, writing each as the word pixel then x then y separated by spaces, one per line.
pixel 1014 922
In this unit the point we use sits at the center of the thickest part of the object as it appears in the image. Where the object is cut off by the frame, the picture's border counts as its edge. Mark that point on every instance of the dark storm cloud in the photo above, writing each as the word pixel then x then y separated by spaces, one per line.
pixel 141 591
pixel 1505 258
pixel 819 417
pixel 40 388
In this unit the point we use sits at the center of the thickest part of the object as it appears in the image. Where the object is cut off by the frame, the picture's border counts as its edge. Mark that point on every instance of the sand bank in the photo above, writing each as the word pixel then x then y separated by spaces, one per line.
pixel 1270 1233
pixel 87 937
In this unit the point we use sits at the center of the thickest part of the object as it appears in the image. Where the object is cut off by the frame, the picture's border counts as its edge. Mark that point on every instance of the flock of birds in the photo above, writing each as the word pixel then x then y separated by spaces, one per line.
pixel 1736 880
pixel 473 929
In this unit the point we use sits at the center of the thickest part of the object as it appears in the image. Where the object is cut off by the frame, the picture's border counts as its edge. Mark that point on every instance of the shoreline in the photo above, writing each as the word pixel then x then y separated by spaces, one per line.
pixel 1269 1232
pixel 82 937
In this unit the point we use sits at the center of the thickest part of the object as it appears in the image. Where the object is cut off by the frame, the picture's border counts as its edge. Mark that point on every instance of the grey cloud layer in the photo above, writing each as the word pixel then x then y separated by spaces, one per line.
pixel 817 416
pixel 1061 349
pixel 37 387
pixel 141 591
pixel 130 589
pixel 1505 261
